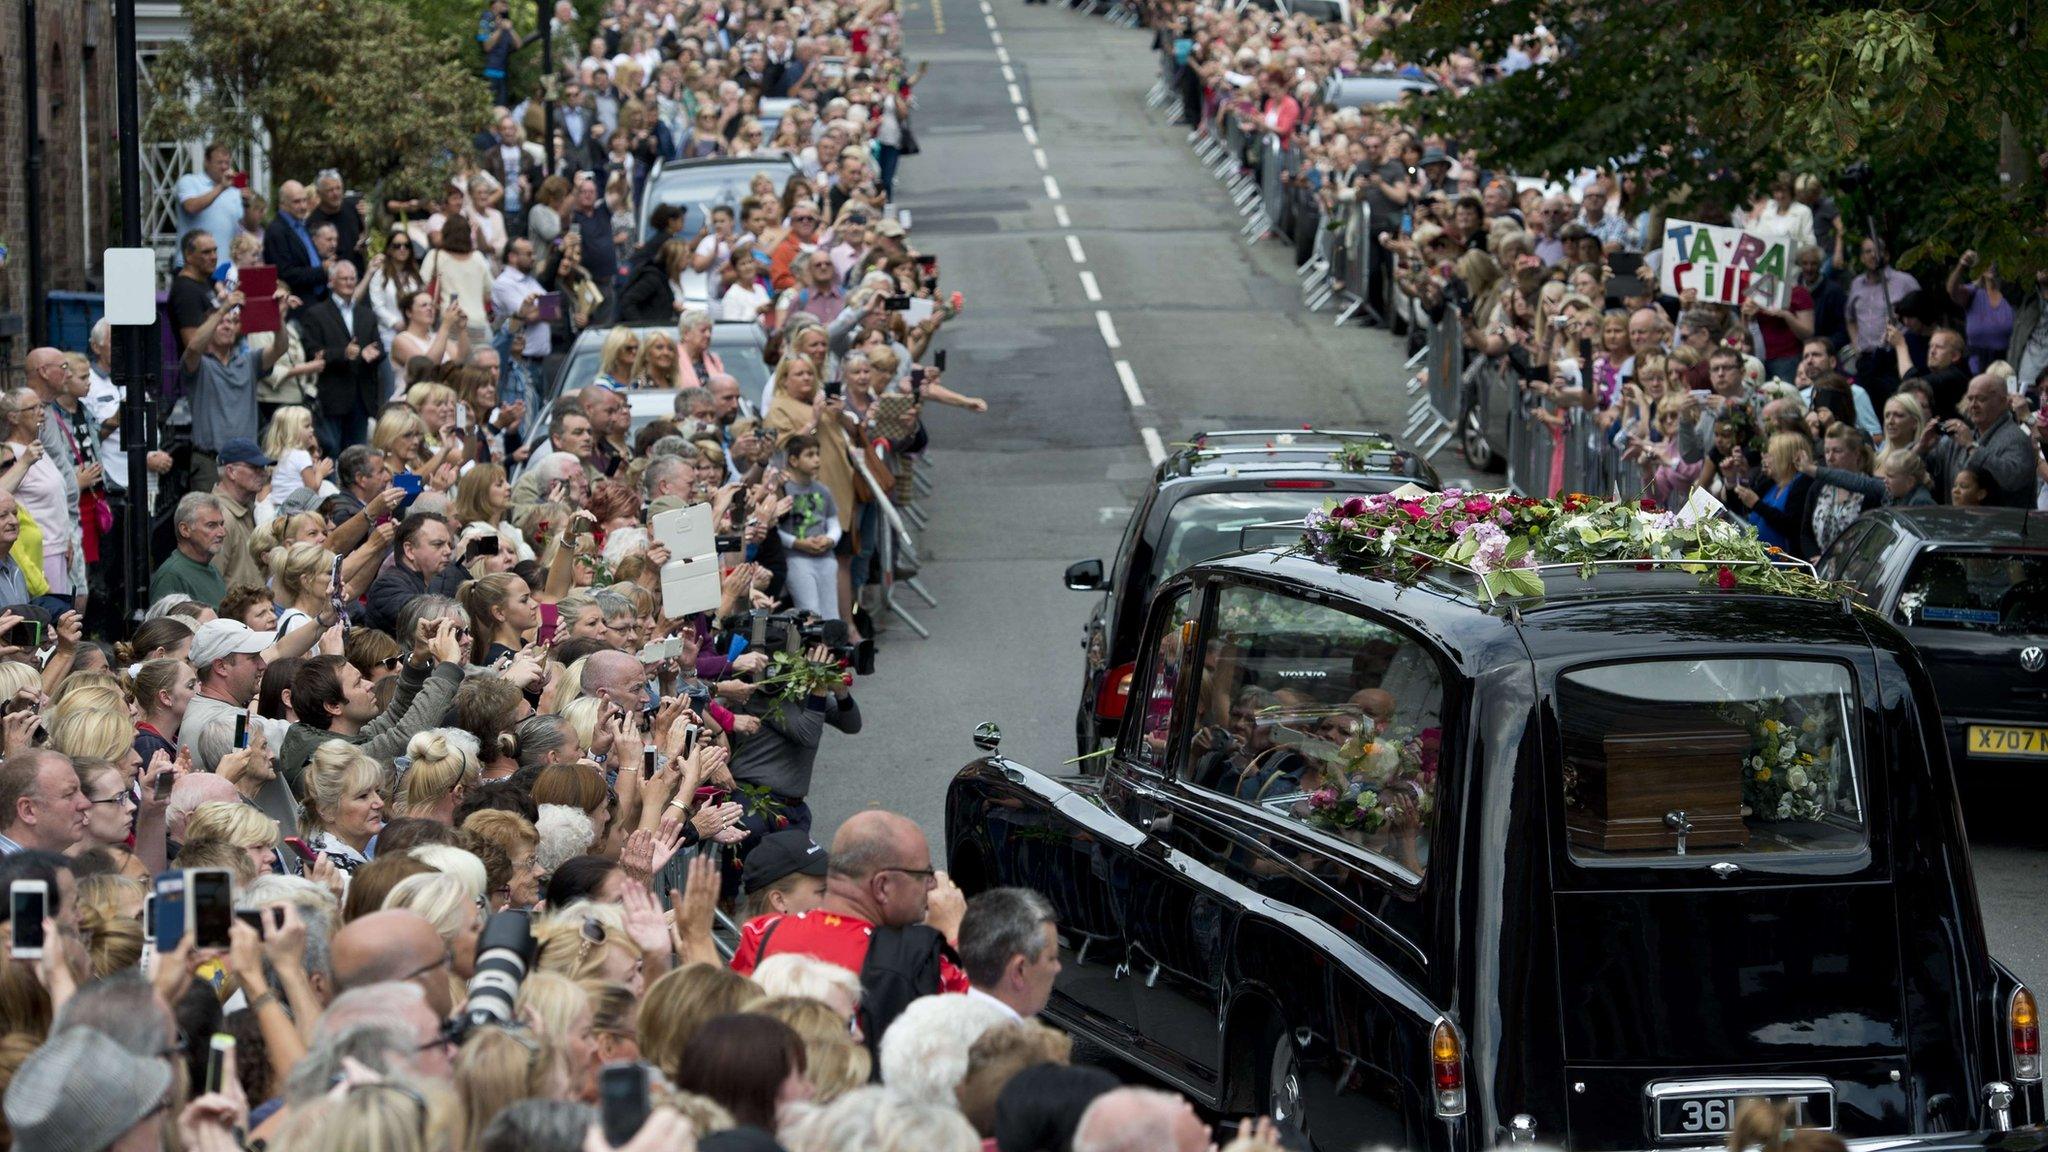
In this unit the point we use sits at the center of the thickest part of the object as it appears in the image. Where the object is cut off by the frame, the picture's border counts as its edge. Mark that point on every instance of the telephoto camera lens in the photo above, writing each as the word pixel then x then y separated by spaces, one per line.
pixel 504 950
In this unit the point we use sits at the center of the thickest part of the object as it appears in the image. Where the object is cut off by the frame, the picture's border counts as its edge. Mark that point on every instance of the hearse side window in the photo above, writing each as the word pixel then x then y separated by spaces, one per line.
pixel 1162 681
pixel 1977 591
pixel 1322 718
pixel 1747 756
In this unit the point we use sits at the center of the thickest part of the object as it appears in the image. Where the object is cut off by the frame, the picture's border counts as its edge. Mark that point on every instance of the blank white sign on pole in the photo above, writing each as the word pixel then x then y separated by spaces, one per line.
pixel 131 285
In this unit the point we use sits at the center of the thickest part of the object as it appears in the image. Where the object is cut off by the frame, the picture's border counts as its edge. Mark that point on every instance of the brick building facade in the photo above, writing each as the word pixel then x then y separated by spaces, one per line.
pixel 74 98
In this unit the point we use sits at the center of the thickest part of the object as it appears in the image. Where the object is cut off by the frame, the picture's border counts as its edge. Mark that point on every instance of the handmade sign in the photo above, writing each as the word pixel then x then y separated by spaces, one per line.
pixel 1725 265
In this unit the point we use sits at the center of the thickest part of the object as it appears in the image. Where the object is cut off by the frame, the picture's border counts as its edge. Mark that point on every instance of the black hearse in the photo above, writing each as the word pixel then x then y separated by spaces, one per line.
pixel 1634 851
pixel 1199 503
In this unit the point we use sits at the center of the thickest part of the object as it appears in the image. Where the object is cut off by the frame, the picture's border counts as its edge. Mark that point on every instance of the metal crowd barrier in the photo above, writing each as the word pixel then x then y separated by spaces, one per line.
pixel 1436 386
pixel 897 542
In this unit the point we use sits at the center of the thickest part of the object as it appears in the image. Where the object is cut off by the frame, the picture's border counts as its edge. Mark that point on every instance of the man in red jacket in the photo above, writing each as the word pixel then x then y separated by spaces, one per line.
pixel 880 874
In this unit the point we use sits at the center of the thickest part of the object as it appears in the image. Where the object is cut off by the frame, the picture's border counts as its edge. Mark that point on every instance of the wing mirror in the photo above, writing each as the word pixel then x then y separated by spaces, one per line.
pixel 1085 576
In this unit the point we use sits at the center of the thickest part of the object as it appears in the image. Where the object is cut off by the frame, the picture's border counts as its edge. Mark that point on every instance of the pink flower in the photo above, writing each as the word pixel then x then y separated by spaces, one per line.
pixel 1323 798
pixel 1725 578
pixel 1414 510
pixel 1479 505
pixel 1352 508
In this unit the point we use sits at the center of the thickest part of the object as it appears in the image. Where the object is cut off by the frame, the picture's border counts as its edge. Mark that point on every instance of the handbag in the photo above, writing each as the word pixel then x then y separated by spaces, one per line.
pixel 877 467
pixel 909 146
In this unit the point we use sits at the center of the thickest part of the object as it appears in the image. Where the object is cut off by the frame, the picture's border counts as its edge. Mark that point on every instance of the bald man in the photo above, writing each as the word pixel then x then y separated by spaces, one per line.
pixel 1987 441
pixel 394 944
pixel 880 876
pixel 288 245
pixel 1140 1120
pixel 617 678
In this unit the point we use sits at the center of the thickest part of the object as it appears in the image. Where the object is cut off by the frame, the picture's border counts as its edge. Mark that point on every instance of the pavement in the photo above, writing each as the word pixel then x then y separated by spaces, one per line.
pixel 1112 310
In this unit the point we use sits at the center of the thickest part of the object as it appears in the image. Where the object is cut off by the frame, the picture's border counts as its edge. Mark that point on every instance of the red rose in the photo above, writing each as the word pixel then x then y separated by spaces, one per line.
pixel 1352 508
pixel 1649 505
pixel 1725 578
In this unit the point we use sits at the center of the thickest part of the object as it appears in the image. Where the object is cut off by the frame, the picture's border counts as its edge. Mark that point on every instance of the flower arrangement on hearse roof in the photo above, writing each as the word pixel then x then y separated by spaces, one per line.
pixel 1507 541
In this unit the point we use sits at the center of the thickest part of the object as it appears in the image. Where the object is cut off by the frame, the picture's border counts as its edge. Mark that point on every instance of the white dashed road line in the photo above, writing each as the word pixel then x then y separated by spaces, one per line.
pixel 1108 327
pixel 1129 380
pixel 1155 448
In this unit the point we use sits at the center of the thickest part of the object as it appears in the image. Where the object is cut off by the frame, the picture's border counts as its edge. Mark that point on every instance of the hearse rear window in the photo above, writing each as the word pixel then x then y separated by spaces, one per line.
pixel 1977 591
pixel 1732 757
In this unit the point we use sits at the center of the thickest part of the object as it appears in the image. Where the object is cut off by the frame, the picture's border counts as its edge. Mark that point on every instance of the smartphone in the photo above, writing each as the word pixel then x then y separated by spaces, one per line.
pixel 729 542
pixel 622 1101
pixel 739 509
pixel 165 781
pixel 241 729
pixel 939 360
pixel 548 306
pixel 253 919
pixel 834 389
pixel 209 906
pixel 299 848
pixel 757 631
pixel 170 911
pixel 218 1055
pixel 647 765
pixel 897 304
pixel 28 904
pixel 926 262
pixel 689 741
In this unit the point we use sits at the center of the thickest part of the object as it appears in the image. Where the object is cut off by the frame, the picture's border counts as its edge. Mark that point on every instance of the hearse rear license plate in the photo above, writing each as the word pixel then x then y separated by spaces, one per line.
pixel 1683 1115
pixel 2008 740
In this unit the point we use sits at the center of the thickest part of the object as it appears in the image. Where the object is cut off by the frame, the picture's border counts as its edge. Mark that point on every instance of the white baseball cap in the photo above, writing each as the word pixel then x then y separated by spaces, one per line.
pixel 218 639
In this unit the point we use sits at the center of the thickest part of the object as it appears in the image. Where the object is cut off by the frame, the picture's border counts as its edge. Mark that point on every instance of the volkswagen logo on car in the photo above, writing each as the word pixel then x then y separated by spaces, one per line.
pixel 2032 658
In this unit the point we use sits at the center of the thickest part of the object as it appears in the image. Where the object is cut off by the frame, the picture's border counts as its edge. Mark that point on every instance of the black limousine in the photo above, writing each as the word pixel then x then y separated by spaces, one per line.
pixel 1406 863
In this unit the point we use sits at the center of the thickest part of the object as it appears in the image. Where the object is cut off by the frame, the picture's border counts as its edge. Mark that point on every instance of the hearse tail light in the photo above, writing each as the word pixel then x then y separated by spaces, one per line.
pixel 1299 485
pixel 2024 1022
pixel 1116 692
pixel 1447 1070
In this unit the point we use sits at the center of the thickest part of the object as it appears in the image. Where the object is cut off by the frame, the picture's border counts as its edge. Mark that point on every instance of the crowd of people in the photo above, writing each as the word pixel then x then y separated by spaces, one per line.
pixel 521 858
pixel 1868 387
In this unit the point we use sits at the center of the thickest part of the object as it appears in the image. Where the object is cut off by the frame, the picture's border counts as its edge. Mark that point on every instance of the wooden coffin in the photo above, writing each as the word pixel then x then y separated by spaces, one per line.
pixel 1624 784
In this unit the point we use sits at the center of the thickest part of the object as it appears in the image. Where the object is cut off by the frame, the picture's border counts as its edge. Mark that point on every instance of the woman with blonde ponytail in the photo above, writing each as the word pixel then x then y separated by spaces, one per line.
pixel 444 768
pixel 501 614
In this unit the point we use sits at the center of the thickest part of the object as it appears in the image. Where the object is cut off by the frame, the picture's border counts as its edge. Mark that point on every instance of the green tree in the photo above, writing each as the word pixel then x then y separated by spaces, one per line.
pixel 356 85
pixel 1706 98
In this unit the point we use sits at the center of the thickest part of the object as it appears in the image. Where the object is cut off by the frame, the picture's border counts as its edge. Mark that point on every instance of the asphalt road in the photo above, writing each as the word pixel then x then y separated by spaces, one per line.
pixel 1083 223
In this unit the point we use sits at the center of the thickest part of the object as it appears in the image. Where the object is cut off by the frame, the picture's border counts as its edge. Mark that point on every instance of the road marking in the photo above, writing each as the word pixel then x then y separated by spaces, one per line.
pixel 1108 515
pixel 1009 74
pixel 1129 380
pixel 1089 286
pixel 938 18
pixel 1074 250
pixel 1154 450
pixel 1002 55
pixel 1108 327
pixel 1016 95
pixel 996 38
pixel 1052 189
pixel 1031 135
pixel 1023 117
pixel 1038 158
pixel 1059 213
pixel 991 21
